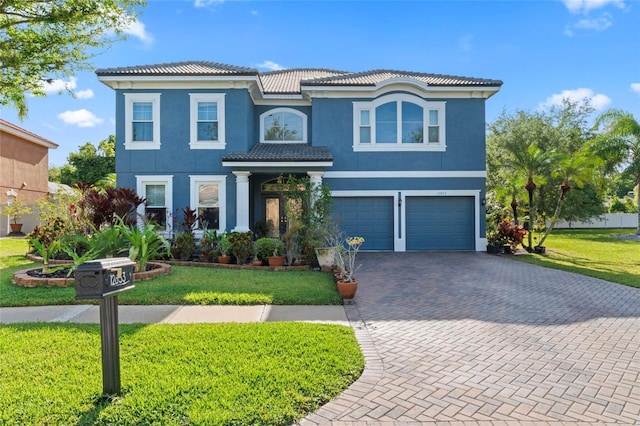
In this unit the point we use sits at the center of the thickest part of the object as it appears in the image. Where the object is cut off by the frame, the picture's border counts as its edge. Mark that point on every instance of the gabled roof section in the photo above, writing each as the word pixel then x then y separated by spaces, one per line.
pixel 375 77
pixel 288 81
pixel 187 68
pixel 11 128
pixel 278 152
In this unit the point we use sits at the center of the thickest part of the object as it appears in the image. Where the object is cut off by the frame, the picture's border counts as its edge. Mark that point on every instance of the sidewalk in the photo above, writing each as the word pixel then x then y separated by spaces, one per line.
pixel 177 314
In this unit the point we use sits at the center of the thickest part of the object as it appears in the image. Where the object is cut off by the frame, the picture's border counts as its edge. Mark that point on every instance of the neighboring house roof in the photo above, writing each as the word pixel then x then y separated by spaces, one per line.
pixel 267 152
pixel 371 78
pixel 288 81
pixel 186 68
pixel 11 128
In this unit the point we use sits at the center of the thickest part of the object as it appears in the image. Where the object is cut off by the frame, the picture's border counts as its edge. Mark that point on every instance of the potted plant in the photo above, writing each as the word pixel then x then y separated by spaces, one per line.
pixel 224 246
pixel 208 245
pixel 346 260
pixel 263 248
pixel 494 242
pixel 15 210
pixel 277 257
pixel 327 253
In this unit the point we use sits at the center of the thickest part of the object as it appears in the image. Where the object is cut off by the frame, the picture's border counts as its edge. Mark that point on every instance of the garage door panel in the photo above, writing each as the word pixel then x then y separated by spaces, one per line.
pixel 440 223
pixel 369 217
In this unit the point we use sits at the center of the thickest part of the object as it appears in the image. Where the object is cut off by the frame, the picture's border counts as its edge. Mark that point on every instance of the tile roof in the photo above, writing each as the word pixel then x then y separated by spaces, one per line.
pixel 179 68
pixel 288 81
pixel 371 78
pixel 24 133
pixel 267 152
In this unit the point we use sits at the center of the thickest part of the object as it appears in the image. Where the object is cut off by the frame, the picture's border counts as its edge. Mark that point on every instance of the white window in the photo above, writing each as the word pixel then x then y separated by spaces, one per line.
pixel 208 199
pixel 158 192
pixel 283 125
pixel 142 120
pixel 399 123
pixel 207 130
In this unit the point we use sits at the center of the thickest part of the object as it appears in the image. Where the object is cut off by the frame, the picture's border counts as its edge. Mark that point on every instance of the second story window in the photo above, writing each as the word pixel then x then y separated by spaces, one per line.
pixel 283 125
pixel 142 121
pixel 398 123
pixel 207 130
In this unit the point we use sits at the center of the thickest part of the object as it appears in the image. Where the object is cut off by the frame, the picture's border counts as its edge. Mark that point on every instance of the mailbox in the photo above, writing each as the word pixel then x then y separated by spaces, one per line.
pixel 103 277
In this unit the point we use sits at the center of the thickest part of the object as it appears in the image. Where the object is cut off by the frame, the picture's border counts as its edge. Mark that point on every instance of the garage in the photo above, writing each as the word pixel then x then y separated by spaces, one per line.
pixel 369 217
pixel 440 223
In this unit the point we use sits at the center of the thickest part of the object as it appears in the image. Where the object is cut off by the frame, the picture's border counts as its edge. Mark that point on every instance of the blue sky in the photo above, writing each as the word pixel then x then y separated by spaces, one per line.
pixel 542 50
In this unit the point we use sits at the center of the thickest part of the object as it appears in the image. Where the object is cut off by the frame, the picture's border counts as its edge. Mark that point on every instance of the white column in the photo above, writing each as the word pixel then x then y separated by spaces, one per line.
pixel 242 201
pixel 316 185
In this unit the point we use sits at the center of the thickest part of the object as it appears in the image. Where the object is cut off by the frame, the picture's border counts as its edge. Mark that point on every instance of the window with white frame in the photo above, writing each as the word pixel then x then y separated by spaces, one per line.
pixel 283 125
pixel 158 192
pixel 142 120
pixel 207 129
pixel 399 122
pixel 208 199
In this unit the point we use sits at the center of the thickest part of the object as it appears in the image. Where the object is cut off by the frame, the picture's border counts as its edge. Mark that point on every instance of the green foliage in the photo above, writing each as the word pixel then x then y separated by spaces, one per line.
pixel 145 244
pixel 263 248
pixel 90 165
pixel 241 245
pixel 225 245
pixel 15 210
pixel 45 250
pixel 176 374
pixel 209 244
pixel 42 41
pixel 185 245
pixel 625 205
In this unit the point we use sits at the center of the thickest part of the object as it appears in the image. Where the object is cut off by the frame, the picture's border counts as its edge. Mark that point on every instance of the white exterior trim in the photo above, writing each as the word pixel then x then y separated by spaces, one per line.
pixel 242 201
pixel 194 98
pixel 373 91
pixel 406 174
pixel 12 129
pixel 129 99
pixel 293 111
pixel 398 98
pixel 399 211
pixel 221 180
pixel 167 181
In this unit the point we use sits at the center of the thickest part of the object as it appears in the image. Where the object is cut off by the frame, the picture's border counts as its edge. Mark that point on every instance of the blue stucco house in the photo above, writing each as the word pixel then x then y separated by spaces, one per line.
pixel 402 152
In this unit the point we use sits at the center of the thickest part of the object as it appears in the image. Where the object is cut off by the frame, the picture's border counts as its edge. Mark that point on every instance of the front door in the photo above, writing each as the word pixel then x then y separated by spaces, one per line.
pixel 275 216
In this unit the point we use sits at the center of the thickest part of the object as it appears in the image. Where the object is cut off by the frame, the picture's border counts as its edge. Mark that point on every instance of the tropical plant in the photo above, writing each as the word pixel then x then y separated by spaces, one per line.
pixel 185 245
pixel 346 258
pixel 619 145
pixel 209 243
pixel 145 244
pixel 224 245
pixel 45 250
pixel 511 234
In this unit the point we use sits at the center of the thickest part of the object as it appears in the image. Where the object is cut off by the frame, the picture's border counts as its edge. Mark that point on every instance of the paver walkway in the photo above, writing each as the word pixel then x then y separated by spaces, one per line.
pixel 474 339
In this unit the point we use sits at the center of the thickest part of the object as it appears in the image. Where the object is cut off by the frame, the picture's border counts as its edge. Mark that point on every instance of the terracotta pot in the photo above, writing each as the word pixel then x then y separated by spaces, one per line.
pixel 276 260
pixel 224 259
pixel 347 290
pixel 257 262
pixel 16 227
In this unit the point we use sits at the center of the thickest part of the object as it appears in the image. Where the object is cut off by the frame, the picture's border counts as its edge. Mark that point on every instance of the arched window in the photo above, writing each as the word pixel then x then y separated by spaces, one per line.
pixel 283 125
pixel 399 122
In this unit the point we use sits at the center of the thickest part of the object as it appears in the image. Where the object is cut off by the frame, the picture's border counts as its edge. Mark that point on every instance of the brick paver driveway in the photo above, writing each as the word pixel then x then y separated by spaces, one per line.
pixel 470 338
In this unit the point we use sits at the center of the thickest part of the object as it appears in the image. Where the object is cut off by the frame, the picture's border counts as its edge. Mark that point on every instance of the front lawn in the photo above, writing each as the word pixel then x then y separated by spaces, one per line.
pixel 213 374
pixel 186 286
pixel 593 252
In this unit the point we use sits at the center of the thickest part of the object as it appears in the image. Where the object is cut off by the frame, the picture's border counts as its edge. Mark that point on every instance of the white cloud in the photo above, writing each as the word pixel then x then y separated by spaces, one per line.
pixel 597 24
pixel 137 29
pixel 635 87
pixel 84 94
pixel 207 3
pixel 585 6
pixel 270 65
pixel 598 101
pixel 56 86
pixel 80 118
pixel 254 12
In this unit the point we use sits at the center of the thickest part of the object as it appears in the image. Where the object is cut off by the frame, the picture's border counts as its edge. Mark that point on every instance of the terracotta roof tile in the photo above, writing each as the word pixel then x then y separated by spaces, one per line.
pixel 371 78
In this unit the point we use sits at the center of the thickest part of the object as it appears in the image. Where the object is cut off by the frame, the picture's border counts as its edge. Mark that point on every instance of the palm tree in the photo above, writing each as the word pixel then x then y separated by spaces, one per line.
pixel 619 145
pixel 577 168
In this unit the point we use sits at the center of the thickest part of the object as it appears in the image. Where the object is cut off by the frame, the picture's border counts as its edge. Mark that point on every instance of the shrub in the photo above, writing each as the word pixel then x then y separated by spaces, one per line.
pixel 209 244
pixel 185 245
pixel 263 248
pixel 241 245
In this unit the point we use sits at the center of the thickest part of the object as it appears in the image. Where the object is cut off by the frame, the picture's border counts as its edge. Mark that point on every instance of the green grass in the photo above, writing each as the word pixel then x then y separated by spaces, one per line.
pixel 592 252
pixel 186 286
pixel 213 374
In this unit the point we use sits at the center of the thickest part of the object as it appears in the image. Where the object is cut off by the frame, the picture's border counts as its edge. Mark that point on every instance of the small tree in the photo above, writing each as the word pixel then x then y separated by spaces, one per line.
pixel 16 209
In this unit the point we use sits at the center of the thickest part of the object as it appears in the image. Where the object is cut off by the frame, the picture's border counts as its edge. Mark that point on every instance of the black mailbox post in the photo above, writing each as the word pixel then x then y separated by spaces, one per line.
pixel 104 279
